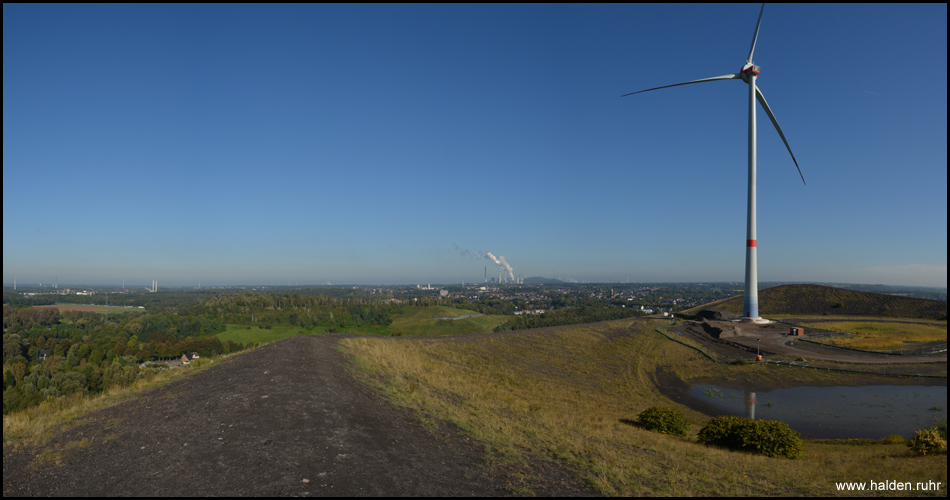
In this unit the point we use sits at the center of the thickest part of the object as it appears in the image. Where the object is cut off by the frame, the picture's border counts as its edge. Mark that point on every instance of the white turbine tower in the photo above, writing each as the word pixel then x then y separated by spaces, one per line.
pixel 748 75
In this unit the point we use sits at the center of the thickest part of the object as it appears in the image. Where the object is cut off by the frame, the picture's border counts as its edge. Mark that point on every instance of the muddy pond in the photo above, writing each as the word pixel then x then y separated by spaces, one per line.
pixel 873 411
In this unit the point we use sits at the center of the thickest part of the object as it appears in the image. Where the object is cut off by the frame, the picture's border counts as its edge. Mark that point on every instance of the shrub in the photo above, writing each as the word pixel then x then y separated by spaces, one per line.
pixel 664 420
pixel 927 441
pixel 723 431
pixel 773 438
pixel 893 439
pixel 768 437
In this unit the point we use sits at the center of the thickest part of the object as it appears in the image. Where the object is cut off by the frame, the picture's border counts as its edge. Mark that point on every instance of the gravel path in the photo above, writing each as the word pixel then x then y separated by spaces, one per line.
pixel 283 420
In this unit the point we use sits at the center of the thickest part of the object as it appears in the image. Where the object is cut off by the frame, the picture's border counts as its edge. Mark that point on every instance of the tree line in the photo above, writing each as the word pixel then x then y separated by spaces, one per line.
pixel 49 354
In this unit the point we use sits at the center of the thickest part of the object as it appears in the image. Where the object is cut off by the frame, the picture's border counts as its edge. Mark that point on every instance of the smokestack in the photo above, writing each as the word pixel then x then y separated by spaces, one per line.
pixel 511 273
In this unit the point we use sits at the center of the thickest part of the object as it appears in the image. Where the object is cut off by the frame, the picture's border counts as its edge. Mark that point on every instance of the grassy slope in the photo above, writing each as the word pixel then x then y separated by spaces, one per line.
pixel 570 394
pixel 820 300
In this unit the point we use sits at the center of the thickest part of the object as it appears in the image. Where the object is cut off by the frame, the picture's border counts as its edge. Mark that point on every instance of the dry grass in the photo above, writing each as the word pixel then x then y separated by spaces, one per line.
pixel 875 335
pixel 567 395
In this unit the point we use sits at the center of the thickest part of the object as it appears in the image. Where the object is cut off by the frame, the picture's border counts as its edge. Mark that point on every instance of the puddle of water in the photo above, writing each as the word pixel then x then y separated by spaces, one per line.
pixel 873 411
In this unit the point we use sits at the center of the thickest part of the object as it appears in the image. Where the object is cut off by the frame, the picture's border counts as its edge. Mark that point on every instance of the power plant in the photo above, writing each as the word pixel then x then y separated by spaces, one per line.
pixel 506 274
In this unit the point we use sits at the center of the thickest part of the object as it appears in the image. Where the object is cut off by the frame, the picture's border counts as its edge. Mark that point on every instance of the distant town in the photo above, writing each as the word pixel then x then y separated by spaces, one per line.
pixel 529 296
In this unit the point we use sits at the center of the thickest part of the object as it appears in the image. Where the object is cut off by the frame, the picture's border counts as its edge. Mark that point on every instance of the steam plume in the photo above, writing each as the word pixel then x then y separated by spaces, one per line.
pixel 499 261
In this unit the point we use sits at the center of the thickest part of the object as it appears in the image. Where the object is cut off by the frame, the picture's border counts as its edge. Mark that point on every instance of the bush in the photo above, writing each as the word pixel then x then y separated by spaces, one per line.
pixel 773 438
pixel 768 437
pixel 927 441
pixel 664 420
pixel 201 361
pixel 722 431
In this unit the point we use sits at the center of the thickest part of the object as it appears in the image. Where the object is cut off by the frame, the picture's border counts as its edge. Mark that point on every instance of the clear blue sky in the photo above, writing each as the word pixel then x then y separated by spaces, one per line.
pixel 281 144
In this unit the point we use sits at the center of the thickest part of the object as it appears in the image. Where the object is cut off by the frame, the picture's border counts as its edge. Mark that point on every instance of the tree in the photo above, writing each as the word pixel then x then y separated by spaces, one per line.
pixel 18 370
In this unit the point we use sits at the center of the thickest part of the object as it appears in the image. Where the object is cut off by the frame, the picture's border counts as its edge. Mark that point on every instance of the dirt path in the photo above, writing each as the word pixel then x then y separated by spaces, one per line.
pixel 285 419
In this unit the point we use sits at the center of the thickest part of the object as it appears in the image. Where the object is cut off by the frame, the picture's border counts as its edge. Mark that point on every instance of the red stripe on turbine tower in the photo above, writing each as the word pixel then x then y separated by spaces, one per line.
pixel 750 243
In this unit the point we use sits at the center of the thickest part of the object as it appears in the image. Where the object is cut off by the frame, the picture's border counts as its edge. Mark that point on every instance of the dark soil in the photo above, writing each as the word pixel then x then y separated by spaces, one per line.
pixel 284 420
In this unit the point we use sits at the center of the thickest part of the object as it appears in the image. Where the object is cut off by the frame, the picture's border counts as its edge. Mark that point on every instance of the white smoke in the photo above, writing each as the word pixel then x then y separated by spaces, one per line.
pixel 499 261
pixel 511 272
pixel 502 263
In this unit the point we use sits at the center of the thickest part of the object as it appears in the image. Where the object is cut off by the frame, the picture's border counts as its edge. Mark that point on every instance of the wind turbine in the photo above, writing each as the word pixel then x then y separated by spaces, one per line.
pixel 748 75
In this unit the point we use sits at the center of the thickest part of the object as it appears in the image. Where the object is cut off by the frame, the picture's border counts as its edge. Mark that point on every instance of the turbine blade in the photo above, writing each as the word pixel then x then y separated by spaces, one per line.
pixel 756 35
pixel 723 77
pixel 768 111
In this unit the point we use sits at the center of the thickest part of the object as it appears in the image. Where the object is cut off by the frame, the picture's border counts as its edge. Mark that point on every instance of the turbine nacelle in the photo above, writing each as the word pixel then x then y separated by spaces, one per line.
pixel 748 69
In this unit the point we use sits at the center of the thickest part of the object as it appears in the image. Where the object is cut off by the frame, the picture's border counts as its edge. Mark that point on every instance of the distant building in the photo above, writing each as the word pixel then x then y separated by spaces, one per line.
pixel 531 311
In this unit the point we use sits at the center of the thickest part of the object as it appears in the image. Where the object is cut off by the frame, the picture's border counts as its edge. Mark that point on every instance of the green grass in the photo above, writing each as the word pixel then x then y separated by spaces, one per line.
pixel 255 335
pixel 569 396
pixel 421 321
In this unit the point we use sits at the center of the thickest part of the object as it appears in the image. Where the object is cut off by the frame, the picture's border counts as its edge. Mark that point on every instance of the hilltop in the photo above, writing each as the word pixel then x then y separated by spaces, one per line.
pixel 820 299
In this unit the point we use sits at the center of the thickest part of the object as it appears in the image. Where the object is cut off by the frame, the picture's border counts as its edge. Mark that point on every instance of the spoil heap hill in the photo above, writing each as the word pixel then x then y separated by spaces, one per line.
pixel 819 299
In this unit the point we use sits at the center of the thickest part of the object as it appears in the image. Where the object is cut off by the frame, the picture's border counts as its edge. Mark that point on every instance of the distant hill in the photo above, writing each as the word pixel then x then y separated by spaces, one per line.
pixel 820 299
pixel 537 280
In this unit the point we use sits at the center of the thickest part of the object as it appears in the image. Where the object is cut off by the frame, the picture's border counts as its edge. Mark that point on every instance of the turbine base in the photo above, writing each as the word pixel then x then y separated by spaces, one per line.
pixel 758 321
